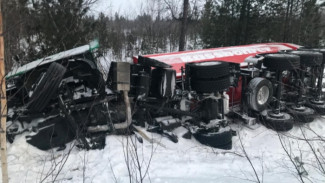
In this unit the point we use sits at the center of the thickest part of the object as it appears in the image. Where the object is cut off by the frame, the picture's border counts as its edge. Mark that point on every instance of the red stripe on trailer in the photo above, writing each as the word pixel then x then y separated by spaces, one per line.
pixel 233 54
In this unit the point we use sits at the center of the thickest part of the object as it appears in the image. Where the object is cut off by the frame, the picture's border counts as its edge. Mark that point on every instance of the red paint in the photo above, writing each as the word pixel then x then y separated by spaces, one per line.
pixel 135 60
pixel 235 93
pixel 233 54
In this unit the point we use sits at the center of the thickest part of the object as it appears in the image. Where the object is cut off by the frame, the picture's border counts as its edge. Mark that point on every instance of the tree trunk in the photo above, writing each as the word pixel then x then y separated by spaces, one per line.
pixel 300 31
pixel 241 21
pixel 290 22
pixel 182 34
pixel 246 22
pixel 3 104
pixel 286 20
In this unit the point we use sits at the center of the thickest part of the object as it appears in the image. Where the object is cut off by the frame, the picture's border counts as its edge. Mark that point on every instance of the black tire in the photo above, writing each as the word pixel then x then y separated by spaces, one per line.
pixel 291 96
pixel 136 68
pixel 139 80
pixel 281 61
pixel 209 86
pixel 309 58
pixel 220 140
pixel 302 116
pixel 318 108
pixel 47 87
pixel 99 83
pixel 163 83
pixel 315 50
pixel 278 124
pixel 255 87
pixel 208 70
pixel 209 109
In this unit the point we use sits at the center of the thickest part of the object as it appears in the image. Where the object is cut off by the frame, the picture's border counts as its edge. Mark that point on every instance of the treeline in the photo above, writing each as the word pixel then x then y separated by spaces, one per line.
pixel 36 28
pixel 233 22
pixel 142 35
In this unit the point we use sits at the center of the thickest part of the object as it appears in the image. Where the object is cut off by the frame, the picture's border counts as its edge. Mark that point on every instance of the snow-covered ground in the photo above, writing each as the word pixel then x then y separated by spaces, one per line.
pixel 185 161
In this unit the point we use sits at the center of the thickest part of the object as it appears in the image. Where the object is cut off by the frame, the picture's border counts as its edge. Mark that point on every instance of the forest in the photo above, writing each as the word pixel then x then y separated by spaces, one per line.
pixel 36 28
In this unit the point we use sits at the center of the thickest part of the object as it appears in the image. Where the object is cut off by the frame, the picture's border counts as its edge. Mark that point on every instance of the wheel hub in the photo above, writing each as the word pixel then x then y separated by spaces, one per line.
pixel 274 115
pixel 298 108
pixel 317 102
pixel 263 95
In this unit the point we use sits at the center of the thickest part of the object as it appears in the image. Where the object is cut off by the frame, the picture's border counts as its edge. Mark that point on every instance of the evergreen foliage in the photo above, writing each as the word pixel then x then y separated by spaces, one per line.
pixel 37 28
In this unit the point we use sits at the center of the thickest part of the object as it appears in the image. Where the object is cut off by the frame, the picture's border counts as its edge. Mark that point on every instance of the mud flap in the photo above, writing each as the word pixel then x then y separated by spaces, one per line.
pixel 52 133
pixel 220 140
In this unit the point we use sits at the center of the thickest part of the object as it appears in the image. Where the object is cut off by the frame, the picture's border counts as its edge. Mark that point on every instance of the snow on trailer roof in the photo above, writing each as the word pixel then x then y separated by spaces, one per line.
pixel 62 55
pixel 233 54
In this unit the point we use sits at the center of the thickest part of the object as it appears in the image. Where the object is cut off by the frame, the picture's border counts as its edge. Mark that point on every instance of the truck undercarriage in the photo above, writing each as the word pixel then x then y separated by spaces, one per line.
pixel 65 97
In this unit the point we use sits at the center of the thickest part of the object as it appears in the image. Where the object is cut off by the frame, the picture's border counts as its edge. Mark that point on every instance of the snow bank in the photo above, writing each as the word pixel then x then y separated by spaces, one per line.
pixel 184 162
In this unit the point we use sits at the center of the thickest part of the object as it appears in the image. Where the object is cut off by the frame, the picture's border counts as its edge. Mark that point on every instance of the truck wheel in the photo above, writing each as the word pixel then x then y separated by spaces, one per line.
pixel 309 58
pixel 260 93
pixel 281 61
pixel 220 140
pixel 319 107
pixel 163 82
pixel 46 87
pixel 283 122
pixel 302 114
pixel 209 86
pixel 139 80
pixel 208 70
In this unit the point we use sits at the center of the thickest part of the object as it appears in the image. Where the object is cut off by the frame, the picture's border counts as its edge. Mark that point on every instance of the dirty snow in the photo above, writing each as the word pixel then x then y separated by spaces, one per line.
pixel 185 161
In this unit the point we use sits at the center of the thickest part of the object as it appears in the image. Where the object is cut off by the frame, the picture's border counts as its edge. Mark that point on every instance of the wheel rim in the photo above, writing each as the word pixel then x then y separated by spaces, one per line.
pixel 263 95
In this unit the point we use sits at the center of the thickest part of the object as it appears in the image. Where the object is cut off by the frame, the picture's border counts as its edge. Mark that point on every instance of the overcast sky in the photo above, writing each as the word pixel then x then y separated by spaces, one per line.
pixel 124 7
pixel 128 8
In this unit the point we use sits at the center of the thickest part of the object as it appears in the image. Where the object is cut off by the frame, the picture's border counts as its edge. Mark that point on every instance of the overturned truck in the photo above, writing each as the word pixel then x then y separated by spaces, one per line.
pixel 65 97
